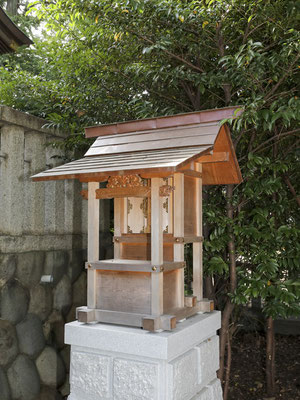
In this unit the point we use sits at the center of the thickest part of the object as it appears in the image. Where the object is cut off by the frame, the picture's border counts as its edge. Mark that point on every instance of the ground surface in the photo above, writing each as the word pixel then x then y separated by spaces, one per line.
pixel 248 368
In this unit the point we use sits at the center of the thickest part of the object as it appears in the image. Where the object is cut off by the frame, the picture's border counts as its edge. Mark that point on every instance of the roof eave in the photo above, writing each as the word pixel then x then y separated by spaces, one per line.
pixel 102 176
pixel 11 36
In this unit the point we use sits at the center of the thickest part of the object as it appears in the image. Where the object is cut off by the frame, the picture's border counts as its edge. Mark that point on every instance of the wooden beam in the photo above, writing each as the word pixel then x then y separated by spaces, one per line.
pixel 93 241
pixel 156 247
pixel 148 175
pixel 133 238
pixel 190 160
pixel 110 193
pixel 146 238
pixel 147 322
pixel 85 315
pixel 193 239
pixel 204 305
pixel 190 172
pixel 151 324
pixel 215 157
pixel 168 322
pixel 165 322
pixel 120 318
pixel 98 177
pixel 190 301
pixel 103 176
pixel 179 232
pixel 134 266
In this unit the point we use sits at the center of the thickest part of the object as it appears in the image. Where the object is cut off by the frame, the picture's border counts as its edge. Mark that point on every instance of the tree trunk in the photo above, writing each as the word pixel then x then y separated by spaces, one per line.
pixel 12 7
pixel 270 336
pixel 270 357
pixel 208 280
pixel 228 367
pixel 224 332
pixel 208 288
pixel 229 307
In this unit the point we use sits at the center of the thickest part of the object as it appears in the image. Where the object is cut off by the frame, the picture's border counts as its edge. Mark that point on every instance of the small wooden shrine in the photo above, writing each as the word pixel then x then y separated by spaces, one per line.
pixel 154 170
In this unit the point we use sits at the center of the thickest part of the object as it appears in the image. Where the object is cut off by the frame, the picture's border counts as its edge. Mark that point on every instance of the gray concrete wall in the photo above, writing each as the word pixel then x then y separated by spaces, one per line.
pixel 42 232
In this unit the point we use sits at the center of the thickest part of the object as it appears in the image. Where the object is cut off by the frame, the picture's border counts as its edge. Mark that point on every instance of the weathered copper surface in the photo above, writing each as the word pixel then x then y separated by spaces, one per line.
pixel 177 137
pixel 164 122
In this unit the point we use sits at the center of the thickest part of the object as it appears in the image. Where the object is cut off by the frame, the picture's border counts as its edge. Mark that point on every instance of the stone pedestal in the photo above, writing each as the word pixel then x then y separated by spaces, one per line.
pixel 123 363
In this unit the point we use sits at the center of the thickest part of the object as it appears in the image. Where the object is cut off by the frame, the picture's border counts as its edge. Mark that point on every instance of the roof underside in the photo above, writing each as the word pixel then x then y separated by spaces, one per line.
pixel 11 36
pixel 155 151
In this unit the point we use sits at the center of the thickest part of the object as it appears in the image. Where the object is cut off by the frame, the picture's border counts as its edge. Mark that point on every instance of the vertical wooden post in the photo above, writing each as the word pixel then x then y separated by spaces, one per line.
pixel 156 248
pixel 125 215
pixel 197 247
pixel 170 213
pixel 178 229
pixel 93 241
pixel 118 222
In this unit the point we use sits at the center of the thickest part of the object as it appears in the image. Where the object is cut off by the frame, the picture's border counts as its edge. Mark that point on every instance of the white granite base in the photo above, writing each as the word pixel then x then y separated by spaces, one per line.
pixel 123 363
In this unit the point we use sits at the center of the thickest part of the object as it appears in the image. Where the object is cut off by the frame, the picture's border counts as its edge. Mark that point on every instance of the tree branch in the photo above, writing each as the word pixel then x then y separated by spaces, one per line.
pixel 194 98
pixel 248 32
pixel 221 47
pixel 157 93
pixel 282 79
pixel 281 135
pixel 295 144
pixel 291 187
pixel 175 56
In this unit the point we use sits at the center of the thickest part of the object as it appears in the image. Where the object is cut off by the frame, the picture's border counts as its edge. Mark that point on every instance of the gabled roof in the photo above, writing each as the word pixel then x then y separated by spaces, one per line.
pixel 11 36
pixel 157 147
pixel 176 138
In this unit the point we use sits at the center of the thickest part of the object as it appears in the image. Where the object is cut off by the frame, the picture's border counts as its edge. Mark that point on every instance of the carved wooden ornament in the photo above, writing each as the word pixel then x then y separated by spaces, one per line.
pixel 120 181
pixel 165 190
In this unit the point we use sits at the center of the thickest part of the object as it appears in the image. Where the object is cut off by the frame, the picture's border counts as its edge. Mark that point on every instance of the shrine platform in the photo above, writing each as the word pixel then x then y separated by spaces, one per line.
pixel 119 362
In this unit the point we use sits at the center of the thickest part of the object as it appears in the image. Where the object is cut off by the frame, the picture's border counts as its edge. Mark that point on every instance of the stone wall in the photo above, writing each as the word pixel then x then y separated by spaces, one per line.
pixel 42 232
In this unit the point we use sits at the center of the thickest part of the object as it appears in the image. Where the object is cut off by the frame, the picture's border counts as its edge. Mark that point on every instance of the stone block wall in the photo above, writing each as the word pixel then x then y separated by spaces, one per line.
pixel 34 361
pixel 42 232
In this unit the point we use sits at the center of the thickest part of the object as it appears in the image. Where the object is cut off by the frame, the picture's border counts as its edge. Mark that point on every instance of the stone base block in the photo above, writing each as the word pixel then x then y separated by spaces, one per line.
pixel 124 363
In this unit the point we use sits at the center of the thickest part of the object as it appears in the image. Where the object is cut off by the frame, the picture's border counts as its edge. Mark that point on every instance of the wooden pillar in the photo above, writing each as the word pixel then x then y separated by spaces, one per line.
pixel 197 247
pixel 125 215
pixel 178 229
pixel 118 222
pixel 93 240
pixel 156 247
